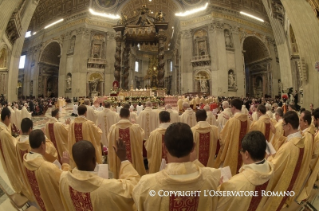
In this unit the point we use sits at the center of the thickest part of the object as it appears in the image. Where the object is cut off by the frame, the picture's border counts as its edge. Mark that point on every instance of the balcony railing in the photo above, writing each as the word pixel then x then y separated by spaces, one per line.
pixel 203 60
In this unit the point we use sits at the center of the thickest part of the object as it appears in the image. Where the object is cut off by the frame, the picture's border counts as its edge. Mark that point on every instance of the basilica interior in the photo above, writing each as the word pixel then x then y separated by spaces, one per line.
pixel 222 48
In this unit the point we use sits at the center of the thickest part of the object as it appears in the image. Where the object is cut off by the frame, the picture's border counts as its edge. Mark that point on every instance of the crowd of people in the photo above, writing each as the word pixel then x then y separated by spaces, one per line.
pixel 209 154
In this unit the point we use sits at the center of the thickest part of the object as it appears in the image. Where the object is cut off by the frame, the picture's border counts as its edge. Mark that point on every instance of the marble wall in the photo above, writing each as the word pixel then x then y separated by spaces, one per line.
pixel 224 61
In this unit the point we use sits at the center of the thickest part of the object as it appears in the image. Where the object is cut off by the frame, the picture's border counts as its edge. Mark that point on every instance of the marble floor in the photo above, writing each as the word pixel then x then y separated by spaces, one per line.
pixel 39 123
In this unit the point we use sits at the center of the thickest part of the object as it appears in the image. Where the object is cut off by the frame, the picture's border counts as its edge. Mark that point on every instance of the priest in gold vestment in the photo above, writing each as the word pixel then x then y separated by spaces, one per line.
pixel 57 132
pixel 42 176
pixel 253 175
pixel 23 146
pixel 188 117
pixel 211 119
pixel 180 176
pixel 290 164
pixel 148 120
pixel 307 131
pixel 174 116
pixel 81 189
pixel 105 120
pixel 205 139
pixel 155 144
pixel 132 135
pixel 83 129
pixel 231 137
pixel 277 139
pixel 263 124
pixel 91 113
pixel 8 155
pixel 224 116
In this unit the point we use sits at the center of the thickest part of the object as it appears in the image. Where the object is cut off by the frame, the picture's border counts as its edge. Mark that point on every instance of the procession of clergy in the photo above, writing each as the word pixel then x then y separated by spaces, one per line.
pixel 194 145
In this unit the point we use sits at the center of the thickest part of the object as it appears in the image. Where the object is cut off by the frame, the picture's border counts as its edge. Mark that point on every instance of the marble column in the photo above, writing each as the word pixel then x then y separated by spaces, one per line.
pixel 161 61
pixel 306 28
pixel 16 51
pixel 118 59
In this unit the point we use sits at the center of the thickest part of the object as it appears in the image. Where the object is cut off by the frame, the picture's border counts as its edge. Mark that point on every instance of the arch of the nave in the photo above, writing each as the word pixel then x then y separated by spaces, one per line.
pixel 211 41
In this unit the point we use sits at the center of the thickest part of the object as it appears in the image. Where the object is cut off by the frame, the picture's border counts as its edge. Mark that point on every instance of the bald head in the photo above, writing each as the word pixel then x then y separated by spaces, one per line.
pixel 83 153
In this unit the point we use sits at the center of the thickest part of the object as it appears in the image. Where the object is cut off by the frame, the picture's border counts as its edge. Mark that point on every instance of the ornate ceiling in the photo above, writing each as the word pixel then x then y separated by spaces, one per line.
pixel 49 11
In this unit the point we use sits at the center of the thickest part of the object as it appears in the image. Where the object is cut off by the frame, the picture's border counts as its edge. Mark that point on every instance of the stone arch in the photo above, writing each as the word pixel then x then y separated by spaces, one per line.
pixel 257 64
pixel 47 51
pixel 253 44
pixel 49 63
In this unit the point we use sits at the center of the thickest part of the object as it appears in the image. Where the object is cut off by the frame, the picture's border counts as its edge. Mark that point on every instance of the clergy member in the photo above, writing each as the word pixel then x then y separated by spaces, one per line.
pixel 58 132
pixel 133 115
pixel 263 124
pixel 43 176
pixel 155 144
pixel 8 155
pixel 132 135
pixel 290 166
pixel 105 119
pixel 211 119
pixel 91 114
pixel 308 134
pixel 148 120
pixel 24 112
pixel 314 164
pixel 23 145
pixel 83 129
pixel 231 137
pixel 180 174
pixel 188 117
pixel 173 114
pixel 253 175
pixel 224 116
pixel 180 105
pixel 254 115
pixel 83 185
pixel 277 139
pixel 205 139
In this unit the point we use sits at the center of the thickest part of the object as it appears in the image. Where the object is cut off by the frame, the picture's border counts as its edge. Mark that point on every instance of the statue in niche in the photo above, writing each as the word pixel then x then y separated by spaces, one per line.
pixel 94 84
pixel 72 44
pixel 203 85
pixel 202 48
pixel 68 82
pixel 228 40
pixel 231 79
pixel 280 87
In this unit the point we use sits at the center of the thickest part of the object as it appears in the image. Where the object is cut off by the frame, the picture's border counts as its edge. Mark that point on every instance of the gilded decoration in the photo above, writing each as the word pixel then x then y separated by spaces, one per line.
pixel 142 29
